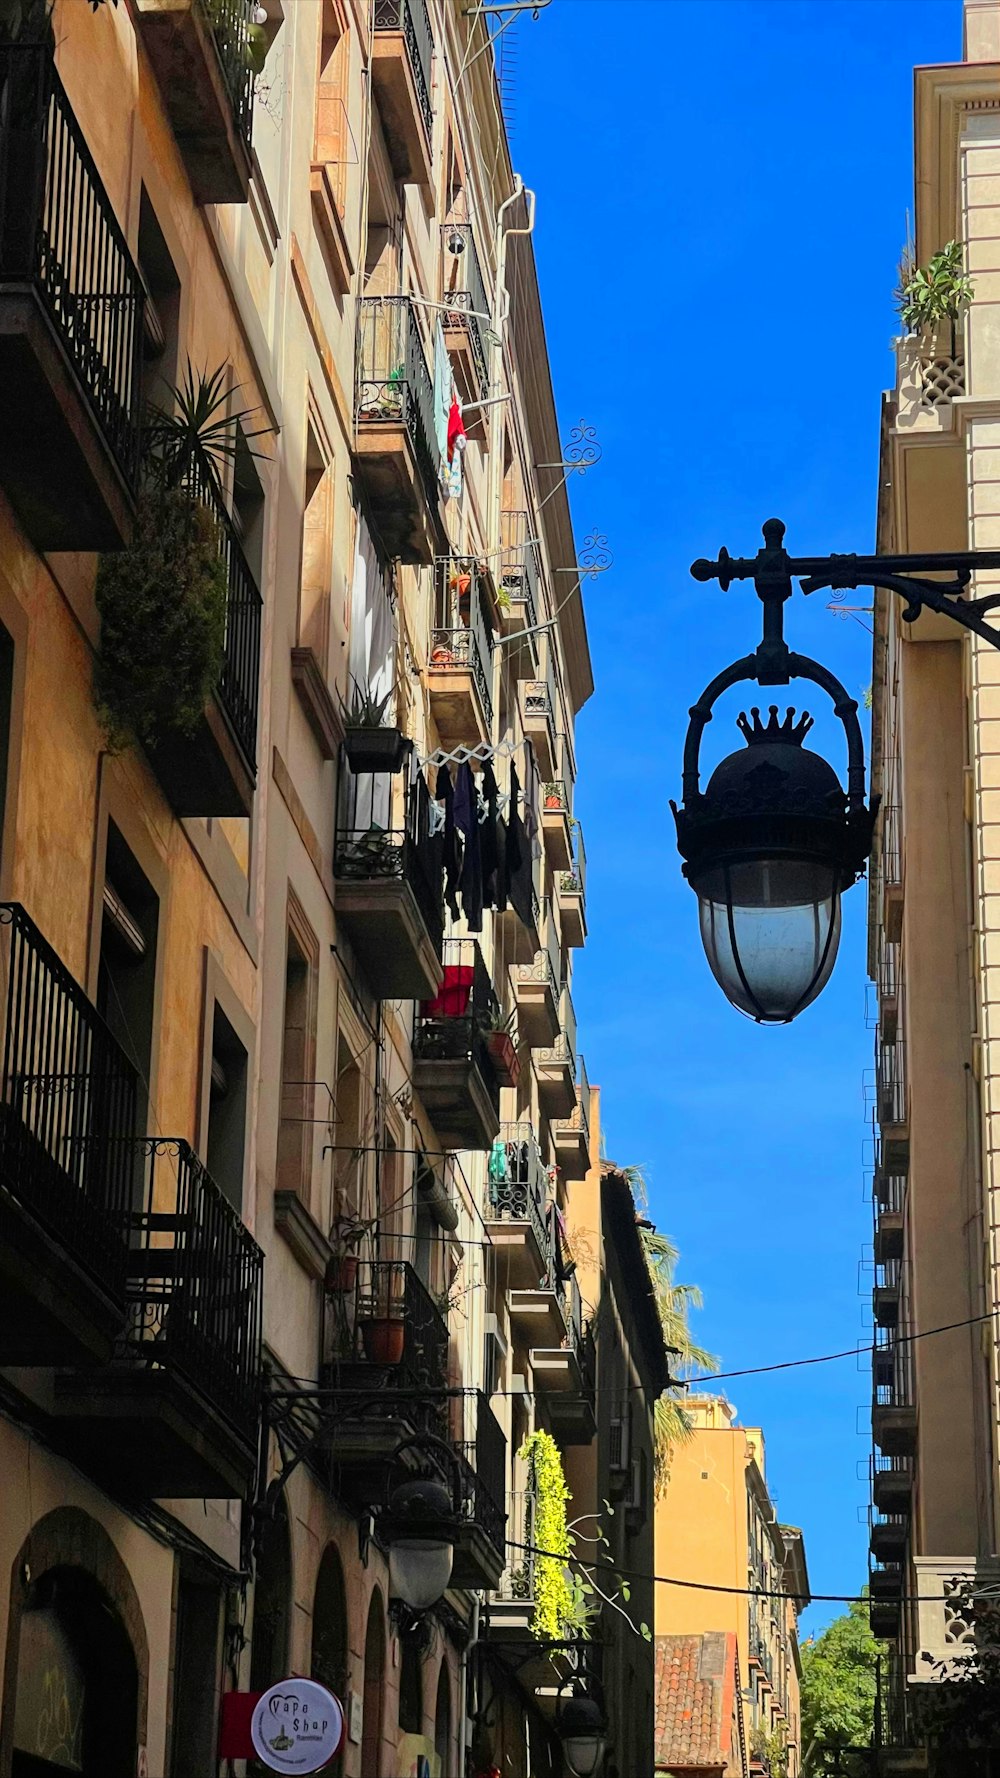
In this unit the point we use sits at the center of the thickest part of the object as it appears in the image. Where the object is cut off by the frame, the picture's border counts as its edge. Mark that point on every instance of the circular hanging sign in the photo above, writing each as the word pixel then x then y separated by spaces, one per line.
pixel 297 1726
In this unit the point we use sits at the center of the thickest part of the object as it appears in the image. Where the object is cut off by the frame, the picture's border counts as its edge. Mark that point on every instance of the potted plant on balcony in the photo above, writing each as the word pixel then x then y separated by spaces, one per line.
pixel 341 1274
pixel 382 1324
pixel 371 744
pixel 498 1031
pixel 928 297
pixel 163 602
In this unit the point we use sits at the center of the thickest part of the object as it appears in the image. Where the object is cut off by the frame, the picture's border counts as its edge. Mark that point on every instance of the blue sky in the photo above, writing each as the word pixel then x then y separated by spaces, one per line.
pixel 722 197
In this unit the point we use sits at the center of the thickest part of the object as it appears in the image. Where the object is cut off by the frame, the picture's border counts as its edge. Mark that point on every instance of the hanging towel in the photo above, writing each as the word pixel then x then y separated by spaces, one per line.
pixel 442 398
pixel 488 836
pixel 497 1164
pixel 467 822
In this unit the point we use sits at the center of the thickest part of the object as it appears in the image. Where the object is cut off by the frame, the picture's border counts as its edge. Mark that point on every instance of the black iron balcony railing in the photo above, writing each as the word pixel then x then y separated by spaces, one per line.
pixel 411 17
pixel 888 968
pixel 520 1192
pixel 229 22
pixel 483 1466
pixel 518 1579
pixel 892 1093
pixel 394 383
pixel 59 234
pixel 563 1050
pixel 391 1320
pixel 238 687
pixel 194 1282
pixel 578 1122
pixel 465 294
pixel 463 641
pixel 461 1036
pixel 573 1314
pixel 892 851
pixel 574 880
pixel 895 1711
pixel 70 1099
pixel 520 572
pixel 409 855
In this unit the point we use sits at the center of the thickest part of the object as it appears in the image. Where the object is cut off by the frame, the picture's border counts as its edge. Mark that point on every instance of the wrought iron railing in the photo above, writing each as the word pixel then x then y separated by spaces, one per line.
pixel 888 968
pixel 388 1293
pixel 892 850
pixel 394 385
pixel 574 880
pixel 238 689
pixel 578 1122
pixel 572 1304
pixel 194 1283
pixel 895 1715
pixel 555 797
pixel 463 642
pixel 229 22
pixel 518 1578
pixel 483 1466
pixel 59 233
pixel 537 699
pixel 70 1101
pixel 462 1036
pixel 518 1185
pixel 891 1082
pixel 465 294
pixel 539 970
pixel 890 1192
pixel 520 572
pixel 409 855
pixel 411 17
pixel 561 1053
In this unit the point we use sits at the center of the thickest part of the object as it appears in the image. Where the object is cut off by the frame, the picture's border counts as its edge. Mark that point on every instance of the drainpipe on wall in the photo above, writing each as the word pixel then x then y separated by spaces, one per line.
pixel 501 311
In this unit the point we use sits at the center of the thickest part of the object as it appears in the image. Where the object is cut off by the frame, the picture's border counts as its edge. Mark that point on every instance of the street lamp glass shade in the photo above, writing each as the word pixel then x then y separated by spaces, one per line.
pixel 584 1754
pixel 419 1570
pixel 771 929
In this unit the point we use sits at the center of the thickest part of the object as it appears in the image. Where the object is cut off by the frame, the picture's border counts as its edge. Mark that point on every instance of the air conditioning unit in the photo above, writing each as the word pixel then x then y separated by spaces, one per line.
pixel 618 1442
pixel 634 1501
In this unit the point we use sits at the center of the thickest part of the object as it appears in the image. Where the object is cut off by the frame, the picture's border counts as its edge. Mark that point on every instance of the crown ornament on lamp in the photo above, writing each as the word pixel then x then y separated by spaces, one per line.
pixel 789 731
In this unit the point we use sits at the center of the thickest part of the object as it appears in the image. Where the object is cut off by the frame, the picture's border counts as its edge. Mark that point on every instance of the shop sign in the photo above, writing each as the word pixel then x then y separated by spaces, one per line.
pixel 297 1726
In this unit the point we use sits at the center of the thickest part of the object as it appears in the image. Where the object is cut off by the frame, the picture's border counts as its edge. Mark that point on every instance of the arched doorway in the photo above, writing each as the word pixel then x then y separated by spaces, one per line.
pixel 77 1692
pixel 411 1688
pixel 442 1721
pixel 329 1630
pixel 371 1734
pixel 272 1603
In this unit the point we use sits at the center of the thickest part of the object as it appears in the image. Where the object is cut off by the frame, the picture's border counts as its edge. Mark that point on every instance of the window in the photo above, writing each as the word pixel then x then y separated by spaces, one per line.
pixel 411 1701
pixel 6 705
pixel 272 1603
pixel 161 318
pixel 329 1632
pixel 298 1056
pixel 316 550
pixel 227 1110
pixel 196 1678
pixel 442 1719
pixel 126 978
pixel 333 135
pixel 349 1159
pixel 371 1733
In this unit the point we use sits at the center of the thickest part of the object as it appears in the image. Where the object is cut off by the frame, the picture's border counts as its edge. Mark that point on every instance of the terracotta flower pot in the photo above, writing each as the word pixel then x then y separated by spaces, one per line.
pixel 553 802
pixel 342 1273
pixel 383 1338
pixel 504 1057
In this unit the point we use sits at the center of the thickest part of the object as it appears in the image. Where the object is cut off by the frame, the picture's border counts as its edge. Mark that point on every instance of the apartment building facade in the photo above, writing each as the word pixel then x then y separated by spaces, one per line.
pixel 295 1114
pixel 932 914
pixel 727 1659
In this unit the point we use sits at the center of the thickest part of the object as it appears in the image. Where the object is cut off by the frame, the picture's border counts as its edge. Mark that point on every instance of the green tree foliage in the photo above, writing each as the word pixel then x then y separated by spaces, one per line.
pixel 674 1303
pixel 838 1687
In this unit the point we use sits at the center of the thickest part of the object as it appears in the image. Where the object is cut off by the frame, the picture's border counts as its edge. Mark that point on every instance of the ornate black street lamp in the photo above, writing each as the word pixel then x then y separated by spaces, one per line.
pixel 583 1730
pixel 774 839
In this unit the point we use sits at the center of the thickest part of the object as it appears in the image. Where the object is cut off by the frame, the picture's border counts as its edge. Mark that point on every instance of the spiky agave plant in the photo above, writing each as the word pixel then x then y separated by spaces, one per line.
pixel 674 1303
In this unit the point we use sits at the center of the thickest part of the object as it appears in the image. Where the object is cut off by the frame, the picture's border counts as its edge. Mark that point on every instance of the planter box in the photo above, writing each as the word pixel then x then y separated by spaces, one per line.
pixel 375 749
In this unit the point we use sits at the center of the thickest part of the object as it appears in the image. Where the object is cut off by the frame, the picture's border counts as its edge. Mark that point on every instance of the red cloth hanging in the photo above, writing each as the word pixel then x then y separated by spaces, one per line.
pixel 452 1001
pixel 457 439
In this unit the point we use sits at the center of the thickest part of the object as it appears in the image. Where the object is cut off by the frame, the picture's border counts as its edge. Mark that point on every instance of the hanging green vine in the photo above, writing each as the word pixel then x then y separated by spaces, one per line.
pixel 560 1606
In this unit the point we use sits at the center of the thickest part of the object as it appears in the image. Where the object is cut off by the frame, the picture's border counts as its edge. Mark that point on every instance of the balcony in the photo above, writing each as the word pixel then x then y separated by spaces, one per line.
pixel 888 978
pixel 176 1414
pixel 888 1533
pixel 886 1583
pixel 538 1315
pixel 480 1547
pixel 466 327
pixel 571 892
pixel 930 376
pixel 70 323
pixel 571 1135
pixel 885 1296
pixel 214 770
pixel 557 825
pixel 892 1484
pixel 893 1106
pixel 894 1419
pixel 69 1104
pixel 453 1070
pixel 535 988
pixel 555 1066
pixel 538 703
pixel 390 901
pixel 384 1335
pixel 460 654
pixel 564 1374
pixel 199 53
pixel 513 1604
pixel 520 578
pixel 517 1192
pixel 402 53
pixel 892 873
pixel 884 1618
pixel 946 1619
pixel 396 458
